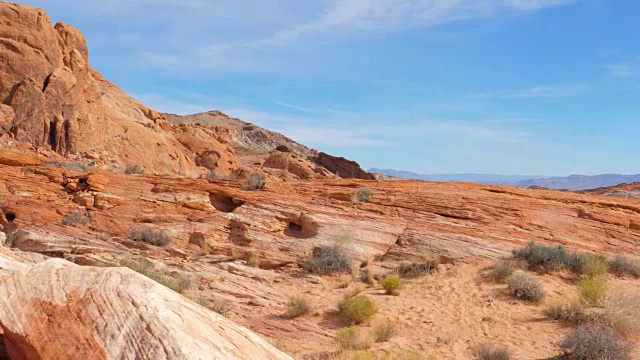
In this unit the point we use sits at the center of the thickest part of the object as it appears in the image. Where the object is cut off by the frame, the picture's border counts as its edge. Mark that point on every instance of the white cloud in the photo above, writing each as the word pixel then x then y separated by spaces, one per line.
pixel 625 69
pixel 537 92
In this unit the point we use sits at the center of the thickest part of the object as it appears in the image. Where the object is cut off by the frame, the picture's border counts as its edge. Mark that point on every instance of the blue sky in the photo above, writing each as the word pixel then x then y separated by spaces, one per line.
pixel 533 87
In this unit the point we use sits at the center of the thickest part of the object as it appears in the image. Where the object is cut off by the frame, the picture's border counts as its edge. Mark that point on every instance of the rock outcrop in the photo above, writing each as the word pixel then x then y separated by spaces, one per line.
pixel 342 167
pixel 74 312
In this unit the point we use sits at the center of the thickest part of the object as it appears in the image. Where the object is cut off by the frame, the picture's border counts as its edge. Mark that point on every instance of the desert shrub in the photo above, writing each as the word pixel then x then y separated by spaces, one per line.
pixel 76 167
pixel 592 290
pixel 572 311
pixel 257 181
pixel 592 342
pixel 384 333
pixel 352 338
pixel 361 196
pixel 620 312
pixel 548 258
pixel 621 265
pixel 75 218
pixel 526 286
pixel 134 170
pixel 329 259
pixel 254 259
pixel 504 268
pixel 491 352
pixel 391 284
pixel 414 270
pixel 150 236
pixel 298 306
pixel 145 267
pixel 357 309
pixel 366 276
pixel 593 266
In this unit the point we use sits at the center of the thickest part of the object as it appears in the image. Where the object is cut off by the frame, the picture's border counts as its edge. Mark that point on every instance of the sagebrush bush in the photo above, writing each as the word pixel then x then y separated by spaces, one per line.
pixel 134 170
pixel 545 258
pixel 384 333
pixel 145 267
pixel 298 306
pixel 621 266
pixel 621 312
pixel 592 342
pixel 357 309
pixel 257 181
pixel 571 311
pixel 491 352
pixel 150 236
pixel 526 286
pixel 328 260
pixel 352 338
pixel 501 270
pixel 75 218
pixel 361 196
pixel 414 270
pixel 391 284
pixel 592 290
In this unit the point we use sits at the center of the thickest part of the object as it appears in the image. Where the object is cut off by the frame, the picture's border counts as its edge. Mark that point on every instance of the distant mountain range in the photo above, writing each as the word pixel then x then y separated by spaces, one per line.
pixel 573 182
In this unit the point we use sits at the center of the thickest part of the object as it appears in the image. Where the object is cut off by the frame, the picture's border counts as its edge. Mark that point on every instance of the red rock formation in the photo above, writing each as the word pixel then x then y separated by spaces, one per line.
pixel 342 167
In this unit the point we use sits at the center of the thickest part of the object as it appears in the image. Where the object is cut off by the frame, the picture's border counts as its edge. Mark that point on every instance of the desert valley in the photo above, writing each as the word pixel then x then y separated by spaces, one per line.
pixel 133 234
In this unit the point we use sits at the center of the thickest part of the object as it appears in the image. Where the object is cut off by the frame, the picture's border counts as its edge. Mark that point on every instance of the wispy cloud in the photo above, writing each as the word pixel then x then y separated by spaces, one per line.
pixel 537 92
pixel 625 69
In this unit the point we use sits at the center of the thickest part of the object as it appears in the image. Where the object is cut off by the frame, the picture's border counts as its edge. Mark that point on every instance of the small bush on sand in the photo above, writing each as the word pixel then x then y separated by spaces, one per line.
pixel 413 270
pixel 621 266
pixel 593 266
pixel 526 286
pixel 357 309
pixel 592 342
pixel 571 311
pixel 545 258
pixel 352 338
pixel 384 333
pixel 361 196
pixel 620 312
pixel 501 270
pixel 134 170
pixel 366 276
pixel 75 218
pixel 328 260
pixel 145 267
pixel 298 306
pixel 150 236
pixel 491 352
pixel 391 284
pixel 257 181
pixel 592 290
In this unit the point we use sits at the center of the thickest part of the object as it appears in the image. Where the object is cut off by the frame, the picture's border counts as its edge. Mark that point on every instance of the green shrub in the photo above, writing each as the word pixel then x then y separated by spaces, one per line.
pixel 75 218
pixel 384 333
pixel 526 286
pixel 391 284
pixel 592 290
pixel 592 342
pixel 621 266
pixel 352 338
pixel 491 352
pixel 357 309
pixel 134 170
pixel 298 306
pixel 328 260
pixel 414 270
pixel 593 266
pixel 501 270
pixel 547 258
pixel 361 196
pixel 257 181
pixel 150 236
pixel 145 267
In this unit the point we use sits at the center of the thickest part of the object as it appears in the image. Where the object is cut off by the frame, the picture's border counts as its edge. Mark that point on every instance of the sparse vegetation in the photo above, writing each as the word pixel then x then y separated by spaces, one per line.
pixel 526 286
pixel 366 276
pixel 491 352
pixel 328 260
pixel 145 267
pixel 621 266
pixel 592 290
pixel 545 258
pixel 75 218
pixel 571 311
pixel 352 338
pixel 620 312
pixel 501 270
pixel 414 270
pixel 357 309
pixel 298 306
pixel 134 170
pixel 384 333
pixel 592 342
pixel 150 236
pixel 361 196
pixel 222 307
pixel 593 266
pixel 391 284
pixel 75 166
pixel 257 181
pixel 254 259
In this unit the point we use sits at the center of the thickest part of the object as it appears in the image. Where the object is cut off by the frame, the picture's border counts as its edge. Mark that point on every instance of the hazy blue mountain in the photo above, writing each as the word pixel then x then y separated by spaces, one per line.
pixel 475 178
